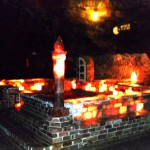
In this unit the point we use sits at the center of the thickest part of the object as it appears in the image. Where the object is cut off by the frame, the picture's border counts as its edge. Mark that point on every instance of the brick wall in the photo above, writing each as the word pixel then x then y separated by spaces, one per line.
pixel 67 132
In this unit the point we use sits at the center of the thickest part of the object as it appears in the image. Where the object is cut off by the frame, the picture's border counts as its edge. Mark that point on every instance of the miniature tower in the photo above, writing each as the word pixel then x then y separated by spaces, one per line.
pixel 59 57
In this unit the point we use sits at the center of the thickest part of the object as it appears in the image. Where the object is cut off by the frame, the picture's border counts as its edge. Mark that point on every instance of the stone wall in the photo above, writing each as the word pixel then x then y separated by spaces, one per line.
pixel 67 132
pixel 120 66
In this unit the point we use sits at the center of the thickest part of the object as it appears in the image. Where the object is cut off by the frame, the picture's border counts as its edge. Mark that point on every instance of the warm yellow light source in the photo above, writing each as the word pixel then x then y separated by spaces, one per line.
pixel 95 16
pixel 59 68
pixel 139 106
pixel 133 77
pixel 123 110
pixel 116 30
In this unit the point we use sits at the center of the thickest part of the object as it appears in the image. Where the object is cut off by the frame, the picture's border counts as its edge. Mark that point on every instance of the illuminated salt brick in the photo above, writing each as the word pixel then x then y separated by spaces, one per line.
pixel 132 108
pixel 91 108
pixel 123 110
pixel 109 106
pixel 111 88
pixel 94 113
pixel 139 106
pixel 87 115
pixel 138 101
pixel 120 100
pixel 117 105
pixel 106 112
pixel 125 103
pixel 114 111
pixel 85 109
pixel 132 102
pixel 99 114
pixel 87 104
pixel 90 122
pixel 115 93
pixel 113 101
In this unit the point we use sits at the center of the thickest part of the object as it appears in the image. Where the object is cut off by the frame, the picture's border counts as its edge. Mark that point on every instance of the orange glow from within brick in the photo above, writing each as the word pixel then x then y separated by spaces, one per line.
pixel 90 121
pixel 132 103
pixel 94 113
pixel 87 115
pixel 2 82
pixel 19 105
pixel 92 108
pixel 123 110
pixel 139 106
pixel 84 110
pixel 99 114
pixel 73 84
pixel 117 105
pixel 21 88
pixel 114 111
pixel 107 112
pixel 129 91
pixel 59 68
pixel 115 92
pixel 27 91
pixel 132 108
pixel 138 101
pixel 111 88
pixel 88 86
pixel 133 77
pixel 103 88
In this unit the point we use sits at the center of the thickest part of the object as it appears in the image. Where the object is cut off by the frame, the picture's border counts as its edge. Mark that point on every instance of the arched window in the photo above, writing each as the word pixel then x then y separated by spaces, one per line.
pixel 81 69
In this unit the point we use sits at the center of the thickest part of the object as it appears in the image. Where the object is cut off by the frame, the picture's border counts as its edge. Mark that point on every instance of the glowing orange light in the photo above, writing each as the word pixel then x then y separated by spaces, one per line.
pixel 139 106
pixel 132 103
pixel 103 88
pixel 59 56
pixel 59 68
pixel 38 87
pixel 73 83
pixel 115 93
pixel 88 86
pixel 94 113
pixel 21 88
pixel 117 105
pixel 27 91
pixel 111 88
pixel 2 82
pixel 22 102
pixel 17 105
pixel 92 108
pixel 84 110
pixel 132 108
pixel 107 112
pixel 114 111
pixel 129 91
pixel 94 15
pixel 99 114
pixel 87 115
pixel 133 77
pixel 123 110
